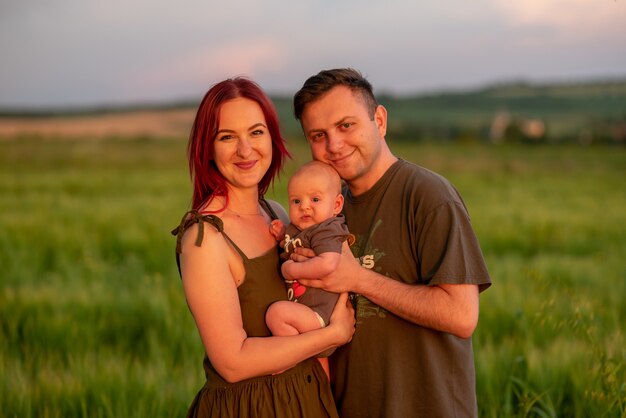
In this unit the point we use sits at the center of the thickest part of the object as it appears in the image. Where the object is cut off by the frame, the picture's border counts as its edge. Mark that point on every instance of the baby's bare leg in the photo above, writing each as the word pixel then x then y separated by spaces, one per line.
pixel 286 318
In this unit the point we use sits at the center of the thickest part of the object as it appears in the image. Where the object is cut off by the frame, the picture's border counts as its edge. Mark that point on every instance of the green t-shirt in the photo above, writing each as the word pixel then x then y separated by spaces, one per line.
pixel 411 226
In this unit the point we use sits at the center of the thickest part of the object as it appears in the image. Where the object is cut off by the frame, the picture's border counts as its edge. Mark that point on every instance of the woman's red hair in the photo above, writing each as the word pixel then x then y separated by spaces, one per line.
pixel 208 182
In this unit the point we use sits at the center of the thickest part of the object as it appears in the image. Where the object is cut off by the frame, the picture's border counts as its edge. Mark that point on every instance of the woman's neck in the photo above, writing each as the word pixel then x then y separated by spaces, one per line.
pixel 239 202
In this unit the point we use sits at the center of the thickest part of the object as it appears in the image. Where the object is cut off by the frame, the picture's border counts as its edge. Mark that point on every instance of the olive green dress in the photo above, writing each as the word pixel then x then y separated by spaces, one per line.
pixel 302 391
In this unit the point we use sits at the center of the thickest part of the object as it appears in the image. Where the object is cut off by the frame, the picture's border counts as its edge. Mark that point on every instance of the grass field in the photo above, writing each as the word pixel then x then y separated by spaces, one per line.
pixel 93 321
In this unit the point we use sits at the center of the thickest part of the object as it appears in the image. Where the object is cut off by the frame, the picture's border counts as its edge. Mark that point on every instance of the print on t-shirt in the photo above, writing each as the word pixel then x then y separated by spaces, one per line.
pixel 364 307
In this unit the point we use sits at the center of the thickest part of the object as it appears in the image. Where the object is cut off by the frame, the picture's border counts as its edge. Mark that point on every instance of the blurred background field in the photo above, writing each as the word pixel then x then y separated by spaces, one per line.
pixel 93 321
pixel 521 104
pixel 585 113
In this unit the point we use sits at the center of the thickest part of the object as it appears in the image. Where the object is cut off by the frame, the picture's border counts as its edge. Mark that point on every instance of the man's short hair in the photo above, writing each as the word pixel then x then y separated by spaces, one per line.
pixel 316 86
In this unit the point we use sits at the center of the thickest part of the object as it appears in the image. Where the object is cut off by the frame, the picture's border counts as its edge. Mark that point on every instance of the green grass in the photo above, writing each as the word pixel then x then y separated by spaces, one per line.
pixel 93 320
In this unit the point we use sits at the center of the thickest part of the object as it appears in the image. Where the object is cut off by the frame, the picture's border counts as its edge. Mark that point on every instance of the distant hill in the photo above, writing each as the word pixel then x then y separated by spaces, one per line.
pixel 565 110
pixel 586 112
pixel 514 111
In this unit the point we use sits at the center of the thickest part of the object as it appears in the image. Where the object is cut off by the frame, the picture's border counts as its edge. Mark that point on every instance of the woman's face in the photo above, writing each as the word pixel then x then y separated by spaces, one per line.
pixel 243 145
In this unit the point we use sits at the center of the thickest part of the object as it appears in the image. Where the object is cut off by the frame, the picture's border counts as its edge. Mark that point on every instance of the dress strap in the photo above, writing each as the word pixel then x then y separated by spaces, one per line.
pixel 192 217
pixel 268 208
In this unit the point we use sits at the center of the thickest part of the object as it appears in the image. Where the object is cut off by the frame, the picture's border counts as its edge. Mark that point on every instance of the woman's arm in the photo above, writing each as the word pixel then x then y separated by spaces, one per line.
pixel 212 296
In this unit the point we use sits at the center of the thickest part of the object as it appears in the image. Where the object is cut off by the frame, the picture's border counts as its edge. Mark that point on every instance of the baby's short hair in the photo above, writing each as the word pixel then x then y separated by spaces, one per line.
pixel 319 168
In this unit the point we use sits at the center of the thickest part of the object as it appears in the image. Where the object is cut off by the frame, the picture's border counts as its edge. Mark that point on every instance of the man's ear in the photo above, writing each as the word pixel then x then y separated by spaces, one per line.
pixel 380 117
pixel 338 204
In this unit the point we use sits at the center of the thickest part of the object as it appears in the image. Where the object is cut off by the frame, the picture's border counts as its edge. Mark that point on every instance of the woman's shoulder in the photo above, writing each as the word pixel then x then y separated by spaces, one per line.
pixel 198 229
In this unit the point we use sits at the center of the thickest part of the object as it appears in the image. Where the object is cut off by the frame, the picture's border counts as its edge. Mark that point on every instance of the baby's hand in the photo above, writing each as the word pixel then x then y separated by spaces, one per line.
pixel 277 229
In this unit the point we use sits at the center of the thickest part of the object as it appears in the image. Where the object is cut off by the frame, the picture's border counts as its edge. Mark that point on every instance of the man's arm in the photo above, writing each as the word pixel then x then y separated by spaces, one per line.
pixel 451 308
pixel 312 268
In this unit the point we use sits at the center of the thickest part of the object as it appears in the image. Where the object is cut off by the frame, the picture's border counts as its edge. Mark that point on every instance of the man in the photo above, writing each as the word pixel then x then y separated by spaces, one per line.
pixel 421 268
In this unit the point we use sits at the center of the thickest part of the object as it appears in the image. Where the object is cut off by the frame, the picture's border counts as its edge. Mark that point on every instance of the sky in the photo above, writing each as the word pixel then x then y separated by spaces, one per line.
pixel 68 53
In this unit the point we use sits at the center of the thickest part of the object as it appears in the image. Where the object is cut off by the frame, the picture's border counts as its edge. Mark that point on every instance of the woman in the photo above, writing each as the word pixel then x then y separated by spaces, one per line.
pixel 228 261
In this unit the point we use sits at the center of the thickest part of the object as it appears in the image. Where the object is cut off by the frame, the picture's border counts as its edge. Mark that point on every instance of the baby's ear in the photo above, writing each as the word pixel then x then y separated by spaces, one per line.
pixel 338 204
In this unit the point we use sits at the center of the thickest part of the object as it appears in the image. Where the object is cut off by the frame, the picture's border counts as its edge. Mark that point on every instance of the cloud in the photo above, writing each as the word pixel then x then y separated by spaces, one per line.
pixel 62 51
pixel 567 21
pixel 196 69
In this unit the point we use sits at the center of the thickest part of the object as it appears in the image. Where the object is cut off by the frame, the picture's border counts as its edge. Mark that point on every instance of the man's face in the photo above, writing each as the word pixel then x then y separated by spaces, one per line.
pixel 341 133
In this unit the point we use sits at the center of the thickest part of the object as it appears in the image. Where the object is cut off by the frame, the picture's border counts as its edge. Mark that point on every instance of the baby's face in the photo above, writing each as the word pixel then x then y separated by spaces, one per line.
pixel 312 199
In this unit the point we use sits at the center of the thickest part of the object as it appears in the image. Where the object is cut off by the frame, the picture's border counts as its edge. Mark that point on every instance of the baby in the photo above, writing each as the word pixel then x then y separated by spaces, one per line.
pixel 315 201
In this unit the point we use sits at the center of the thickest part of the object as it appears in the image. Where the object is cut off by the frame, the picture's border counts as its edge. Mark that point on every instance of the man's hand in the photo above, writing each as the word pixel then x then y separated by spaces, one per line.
pixel 343 279
pixel 284 268
pixel 301 254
